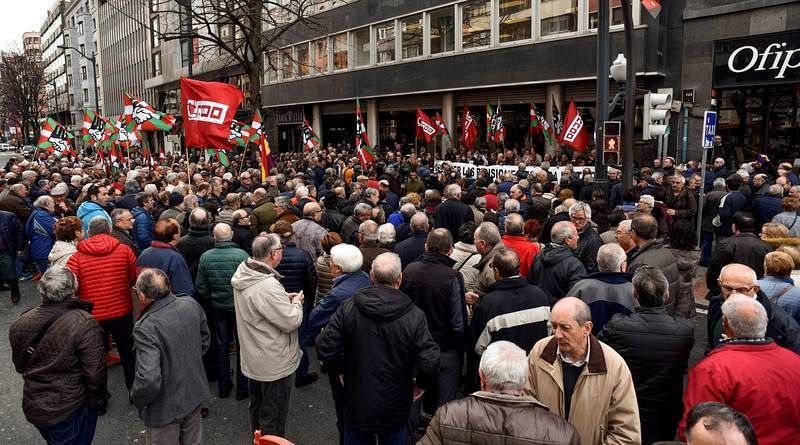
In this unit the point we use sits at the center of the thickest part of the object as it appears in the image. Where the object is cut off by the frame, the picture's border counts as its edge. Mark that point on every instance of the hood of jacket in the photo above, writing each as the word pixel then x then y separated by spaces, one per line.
pixel 139 211
pixel 61 249
pixel 252 272
pixel 98 245
pixel 553 254
pixel 87 208
pixel 382 303
pixel 611 277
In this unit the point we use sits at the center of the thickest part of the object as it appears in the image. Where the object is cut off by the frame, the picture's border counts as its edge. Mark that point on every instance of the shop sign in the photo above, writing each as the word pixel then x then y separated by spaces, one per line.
pixel 758 60
pixel 290 116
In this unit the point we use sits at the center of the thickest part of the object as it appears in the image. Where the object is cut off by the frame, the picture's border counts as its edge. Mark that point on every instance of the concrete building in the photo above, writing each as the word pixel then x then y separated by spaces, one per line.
pixel 79 37
pixel 32 44
pixel 54 62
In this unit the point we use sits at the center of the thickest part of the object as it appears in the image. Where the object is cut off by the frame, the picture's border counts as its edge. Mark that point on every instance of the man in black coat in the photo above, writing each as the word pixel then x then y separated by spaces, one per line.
pixel 656 347
pixel 414 246
pixel 556 269
pixel 452 213
pixel 561 214
pixel 375 341
pixel 589 241
pixel 740 279
pixel 744 247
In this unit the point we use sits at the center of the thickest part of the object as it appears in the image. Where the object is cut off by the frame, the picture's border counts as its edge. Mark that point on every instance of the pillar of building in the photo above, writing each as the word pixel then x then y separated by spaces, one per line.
pixel 553 93
pixel 449 117
pixel 316 121
pixel 372 122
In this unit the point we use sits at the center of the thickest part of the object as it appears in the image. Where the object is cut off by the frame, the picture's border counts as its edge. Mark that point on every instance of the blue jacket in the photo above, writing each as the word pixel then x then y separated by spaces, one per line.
pixel 785 292
pixel 11 234
pixel 298 271
pixel 734 202
pixel 396 218
pixel 163 256
pixel 88 211
pixel 344 287
pixel 411 249
pixel 39 229
pixel 143 224
pixel 765 208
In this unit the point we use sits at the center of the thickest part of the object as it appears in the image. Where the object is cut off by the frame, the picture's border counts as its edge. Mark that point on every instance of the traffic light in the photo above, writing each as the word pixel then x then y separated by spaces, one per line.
pixel 656 115
pixel 612 138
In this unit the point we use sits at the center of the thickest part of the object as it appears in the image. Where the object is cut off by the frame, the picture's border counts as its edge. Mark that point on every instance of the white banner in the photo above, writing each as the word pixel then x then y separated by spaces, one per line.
pixel 495 170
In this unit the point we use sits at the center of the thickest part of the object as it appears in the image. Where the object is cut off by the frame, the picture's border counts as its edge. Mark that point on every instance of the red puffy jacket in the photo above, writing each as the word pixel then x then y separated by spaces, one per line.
pixel 106 270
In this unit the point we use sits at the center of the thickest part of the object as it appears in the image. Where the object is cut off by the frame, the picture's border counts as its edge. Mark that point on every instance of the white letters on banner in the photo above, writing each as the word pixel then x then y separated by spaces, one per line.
pixel 494 170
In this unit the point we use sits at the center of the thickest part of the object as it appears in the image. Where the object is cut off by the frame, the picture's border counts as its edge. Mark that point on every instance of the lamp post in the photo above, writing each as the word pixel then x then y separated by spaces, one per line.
pixel 600 170
pixel 92 59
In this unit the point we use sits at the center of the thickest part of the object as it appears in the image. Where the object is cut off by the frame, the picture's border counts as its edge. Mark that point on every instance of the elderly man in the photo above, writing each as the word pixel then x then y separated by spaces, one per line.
pixel 267 320
pixel 515 239
pixel 644 230
pixel 377 371
pixel 361 213
pixel 162 255
pixel 738 278
pixel 623 237
pixel 557 269
pixel 17 203
pixel 589 240
pixel 750 373
pixel 369 244
pixel 411 248
pixel 106 270
pixel 263 215
pixel 232 202
pixel 500 412
pixel 213 283
pixel 169 339
pixel 744 247
pixel 308 232
pixel 58 349
pixel 608 291
pixel 12 235
pixel 452 213
pixel 711 423
pixel 122 220
pixel 487 242
pixel 584 380
pixel 656 347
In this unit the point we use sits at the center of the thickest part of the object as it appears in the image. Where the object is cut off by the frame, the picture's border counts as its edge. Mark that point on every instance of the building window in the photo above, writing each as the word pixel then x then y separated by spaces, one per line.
pixel 476 19
pixel 515 20
pixel 385 42
pixel 85 95
pixel 411 35
pixel 616 13
pixel 68 60
pixel 72 100
pixel 69 80
pixel 302 59
pixel 340 51
pixel 66 39
pixel 443 22
pixel 80 28
pixel 272 66
pixel 82 48
pixel 156 64
pixel 361 44
pixel 321 55
pixel 83 73
pixel 154 32
pixel 287 64
pixel 558 16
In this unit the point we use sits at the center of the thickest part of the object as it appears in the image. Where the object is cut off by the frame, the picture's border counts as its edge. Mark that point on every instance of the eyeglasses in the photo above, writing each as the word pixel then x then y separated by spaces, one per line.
pixel 578 218
pixel 738 290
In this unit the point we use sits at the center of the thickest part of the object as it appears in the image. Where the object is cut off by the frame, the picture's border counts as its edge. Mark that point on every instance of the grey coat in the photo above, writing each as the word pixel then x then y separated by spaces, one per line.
pixel 170 339
pixel 653 253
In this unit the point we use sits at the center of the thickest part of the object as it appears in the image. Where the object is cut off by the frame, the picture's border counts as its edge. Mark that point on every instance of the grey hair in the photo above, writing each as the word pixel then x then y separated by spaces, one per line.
pixel 650 286
pixel 746 317
pixel 369 230
pixel 132 186
pixel 511 205
pixel 117 214
pixel 419 222
pixel 371 192
pixel 504 366
pixel 751 272
pixel 506 263
pixel 153 283
pixel 198 219
pixel 386 233
pixel 348 257
pixel 561 231
pixel 301 192
pixel 362 208
pixel 480 202
pixel 453 191
pixel 223 232
pixel 610 257
pixel 581 206
pixel 657 175
pixel 514 224
pixel 489 233
pixel 679 178
pixel 43 202
pixel 386 269
pixel 407 210
pixel 719 182
pixel 264 245
pixel 99 225
pixel 775 190
pixel 57 284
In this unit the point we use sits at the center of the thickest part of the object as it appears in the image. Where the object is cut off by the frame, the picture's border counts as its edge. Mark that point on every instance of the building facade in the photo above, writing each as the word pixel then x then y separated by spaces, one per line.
pixel 54 62
pixel 83 83
pixel 32 44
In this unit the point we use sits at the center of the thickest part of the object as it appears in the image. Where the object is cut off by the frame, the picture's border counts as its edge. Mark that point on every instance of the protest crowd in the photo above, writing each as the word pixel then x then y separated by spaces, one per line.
pixel 442 308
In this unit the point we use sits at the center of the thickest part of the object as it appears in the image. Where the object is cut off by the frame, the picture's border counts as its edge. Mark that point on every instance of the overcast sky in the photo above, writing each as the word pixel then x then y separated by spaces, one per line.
pixel 18 16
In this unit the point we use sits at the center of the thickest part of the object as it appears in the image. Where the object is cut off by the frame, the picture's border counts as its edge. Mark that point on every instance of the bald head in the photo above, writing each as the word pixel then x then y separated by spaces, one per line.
pixel 738 278
pixel 311 209
pixel 573 308
pixel 387 270
pixel 419 222
pixel 514 224
pixel 222 232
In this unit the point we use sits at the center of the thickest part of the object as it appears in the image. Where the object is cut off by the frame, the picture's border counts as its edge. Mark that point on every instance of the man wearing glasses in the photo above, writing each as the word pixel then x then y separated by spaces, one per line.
pixel 245 183
pixel 740 279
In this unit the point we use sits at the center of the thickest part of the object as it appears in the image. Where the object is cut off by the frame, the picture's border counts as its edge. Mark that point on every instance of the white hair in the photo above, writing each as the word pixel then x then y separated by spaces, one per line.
pixel 746 317
pixel 223 232
pixel 750 271
pixel 348 257
pixel 511 205
pixel 610 257
pixel 504 365
pixel 301 192
pixel 43 202
pixel 57 284
pixel 581 206
pixel 386 233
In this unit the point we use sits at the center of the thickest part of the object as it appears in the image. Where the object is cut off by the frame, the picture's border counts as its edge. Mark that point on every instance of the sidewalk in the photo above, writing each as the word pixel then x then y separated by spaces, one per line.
pixel 700 289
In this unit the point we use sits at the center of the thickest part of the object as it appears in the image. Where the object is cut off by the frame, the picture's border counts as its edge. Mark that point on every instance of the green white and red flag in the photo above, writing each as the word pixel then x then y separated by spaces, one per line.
pixel 539 123
pixel 239 134
pixel 499 130
pixel 94 127
pixel 53 137
pixel 489 121
pixel 364 149
pixel 144 116
pixel 256 132
pixel 441 128
pixel 310 139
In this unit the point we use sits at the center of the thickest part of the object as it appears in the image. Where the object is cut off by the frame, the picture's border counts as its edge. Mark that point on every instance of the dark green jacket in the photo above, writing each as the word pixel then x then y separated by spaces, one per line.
pixel 214 273
pixel 262 217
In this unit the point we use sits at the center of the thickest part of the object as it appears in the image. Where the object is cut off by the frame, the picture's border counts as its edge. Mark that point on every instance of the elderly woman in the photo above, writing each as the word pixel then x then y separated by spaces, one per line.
pixel 789 217
pixel 68 232
pixel 39 229
pixel 778 285
pixel 322 264
pixel 773 230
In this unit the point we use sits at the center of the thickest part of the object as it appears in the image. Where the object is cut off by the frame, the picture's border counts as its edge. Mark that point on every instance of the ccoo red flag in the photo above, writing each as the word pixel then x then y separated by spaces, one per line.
pixel 425 128
pixel 574 133
pixel 208 109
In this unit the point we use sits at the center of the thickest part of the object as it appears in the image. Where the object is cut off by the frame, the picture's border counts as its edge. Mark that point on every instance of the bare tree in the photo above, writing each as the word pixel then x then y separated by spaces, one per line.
pixel 22 91
pixel 237 32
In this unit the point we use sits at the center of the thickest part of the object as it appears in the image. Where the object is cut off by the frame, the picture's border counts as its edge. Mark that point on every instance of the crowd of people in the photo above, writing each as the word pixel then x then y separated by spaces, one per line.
pixel 523 308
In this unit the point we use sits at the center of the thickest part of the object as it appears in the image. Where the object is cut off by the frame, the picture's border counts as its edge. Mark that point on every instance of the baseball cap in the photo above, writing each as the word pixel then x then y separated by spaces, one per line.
pixel 59 189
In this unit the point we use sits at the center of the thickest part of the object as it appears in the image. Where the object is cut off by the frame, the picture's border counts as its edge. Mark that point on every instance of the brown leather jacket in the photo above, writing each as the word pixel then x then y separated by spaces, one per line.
pixel 68 369
pixel 487 417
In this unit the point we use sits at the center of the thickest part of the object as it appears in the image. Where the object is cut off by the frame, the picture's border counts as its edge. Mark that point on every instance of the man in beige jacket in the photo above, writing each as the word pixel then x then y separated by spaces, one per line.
pixel 583 380
pixel 267 318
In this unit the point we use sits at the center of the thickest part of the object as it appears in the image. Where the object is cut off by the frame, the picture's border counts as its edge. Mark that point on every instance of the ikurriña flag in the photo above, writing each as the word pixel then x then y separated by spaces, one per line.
pixel 145 117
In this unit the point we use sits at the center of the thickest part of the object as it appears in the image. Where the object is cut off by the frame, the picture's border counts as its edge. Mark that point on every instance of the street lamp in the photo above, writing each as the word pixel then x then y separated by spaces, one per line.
pixel 92 59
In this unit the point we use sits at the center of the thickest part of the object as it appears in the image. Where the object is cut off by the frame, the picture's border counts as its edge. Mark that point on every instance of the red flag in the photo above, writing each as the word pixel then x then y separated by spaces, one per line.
pixel 469 130
pixel 364 150
pixel 574 134
pixel 425 128
pixel 208 109
pixel 652 6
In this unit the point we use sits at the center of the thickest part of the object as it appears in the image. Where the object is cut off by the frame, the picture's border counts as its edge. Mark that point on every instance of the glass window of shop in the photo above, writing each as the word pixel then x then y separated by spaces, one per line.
pixel 514 18
pixel 558 16
pixel 615 13
pixel 340 52
pixel 272 66
pixel 443 26
pixel 287 63
pixel 384 34
pixel 320 55
pixel 476 21
pixel 361 43
pixel 411 28
pixel 301 53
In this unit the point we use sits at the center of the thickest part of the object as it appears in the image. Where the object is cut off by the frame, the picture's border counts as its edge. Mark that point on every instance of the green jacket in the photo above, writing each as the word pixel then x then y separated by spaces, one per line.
pixel 214 273
pixel 262 217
